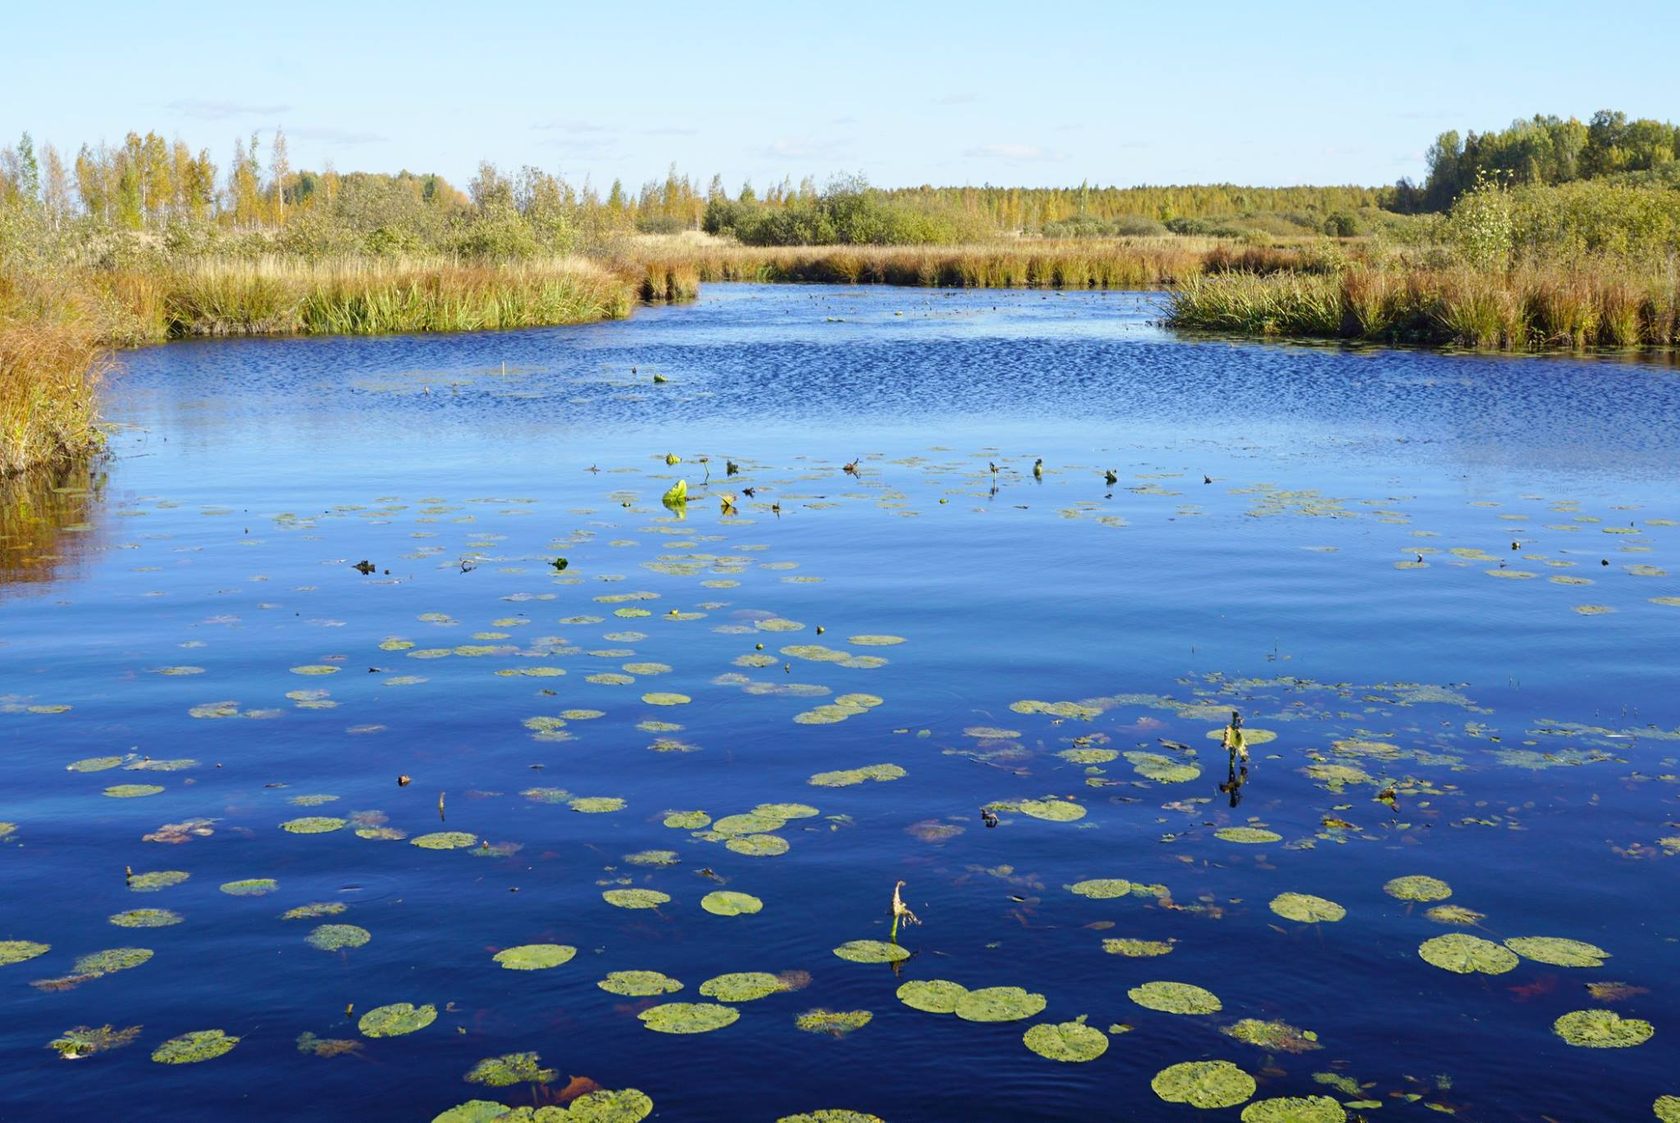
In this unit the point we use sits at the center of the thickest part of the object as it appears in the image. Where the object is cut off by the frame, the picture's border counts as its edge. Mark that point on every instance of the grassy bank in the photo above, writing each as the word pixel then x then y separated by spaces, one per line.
pixel 1531 308
pixel 50 366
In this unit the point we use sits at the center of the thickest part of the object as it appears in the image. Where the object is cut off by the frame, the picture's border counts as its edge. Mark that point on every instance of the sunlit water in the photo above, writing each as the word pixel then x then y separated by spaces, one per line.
pixel 1280 540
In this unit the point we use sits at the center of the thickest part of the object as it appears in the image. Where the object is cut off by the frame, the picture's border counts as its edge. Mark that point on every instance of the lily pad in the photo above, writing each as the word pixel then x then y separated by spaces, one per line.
pixel 741 986
pixel 726 902
pixel 1248 836
pixel 1102 888
pixel 84 1041
pixel 314 909
pixel 313 824
pixel 1306 908
pixel 757 845
pixel 1070 1042
pixel 444 840
pixel 1558 951
pixel 871 951
pixel 1464 954
pixel 94 764
pixel 145 918
pixel 639 984
pixel 597 804
pixel 1601 1029
pixel 666 698
pixel 1051 810
pixel 534 957
pixel 1274 1037
pixel 1175 998
pixel 19 951
pixel 998 1004
pixel 1417 887
pixel 1136 949
pixel 935 996
pixel 749 823
pixel 336 937
pixel 621 1105
pixel 509 1069
pixel 835 1023
pixel 132 791
pixel 1667 1109
pixel 1295 1109
pixel 1204 1084
pixel 831 1115
pixel 688 1017
pixel 250 887
pixel 786 811
pixel 635 898
pixel 396 1019
pixel 846 777
pixel 190 1048
pixel 1455 914
pixel 156 879
pixel 687 820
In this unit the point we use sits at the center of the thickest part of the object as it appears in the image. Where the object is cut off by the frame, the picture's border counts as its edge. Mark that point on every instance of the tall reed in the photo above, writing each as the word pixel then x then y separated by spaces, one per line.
pixel 50 367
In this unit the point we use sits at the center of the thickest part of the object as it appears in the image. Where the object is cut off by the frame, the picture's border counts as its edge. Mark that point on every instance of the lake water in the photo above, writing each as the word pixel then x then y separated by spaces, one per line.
pixel 1446 584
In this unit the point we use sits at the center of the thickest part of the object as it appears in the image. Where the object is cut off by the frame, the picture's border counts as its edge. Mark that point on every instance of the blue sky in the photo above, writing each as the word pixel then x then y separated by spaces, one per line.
pixel 905 93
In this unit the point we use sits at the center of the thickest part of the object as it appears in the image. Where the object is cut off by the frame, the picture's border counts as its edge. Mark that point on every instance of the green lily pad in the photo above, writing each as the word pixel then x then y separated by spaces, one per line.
pixel 871 951
pixel 597 804
pixel 831 1115
pixel 1417 887
pixel 1102 888
pixel 313 824
pixel 653 858
pixel 1088 756
pixel 622 1105
pixel 688 1017
pixel 1163 769
pixel 835 1023
pixel 110 960
pixel 19 951
pixel 1307 908
pixel 1175 998
pixel 847 777
pixel 157 879
pixel 1136 949
pixel 190 1048
pixel 1558 951
pixel 315 669
pixel 509 1069
pixel 757 845
pixel 998 1004
pixel 132 791
pixel 444 840
pixel 145 918
pixel 1667 1109
pixel 534 957
pixel 1274 1037
pixel 94 764
pixel 396 1019
pixel 1601 1029
pixel 666 698
pixel 315 909
pixel 1070 1042
pixel 635 898
pixel 741 986
pixel 725 902
pixel 687 820
pixel 1051 810
pixel 1295 1109
pixel 84 1041
pixel 1455 914
pixel 1249 836
pixel 936 996
pixel 250 887
pixel 1204 1084
pixel 638 984
pixel 336 937
pixel 1464 954
pixel 749 823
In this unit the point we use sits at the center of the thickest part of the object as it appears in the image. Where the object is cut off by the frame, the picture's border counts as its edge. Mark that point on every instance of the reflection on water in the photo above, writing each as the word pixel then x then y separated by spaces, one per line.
pixel 47 526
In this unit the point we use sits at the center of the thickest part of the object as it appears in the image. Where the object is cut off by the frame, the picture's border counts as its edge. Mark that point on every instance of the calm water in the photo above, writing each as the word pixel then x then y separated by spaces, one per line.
pixel 1437 579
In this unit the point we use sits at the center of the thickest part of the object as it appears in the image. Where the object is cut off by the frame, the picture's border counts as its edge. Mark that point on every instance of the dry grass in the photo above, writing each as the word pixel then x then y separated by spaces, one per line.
pixel 50 365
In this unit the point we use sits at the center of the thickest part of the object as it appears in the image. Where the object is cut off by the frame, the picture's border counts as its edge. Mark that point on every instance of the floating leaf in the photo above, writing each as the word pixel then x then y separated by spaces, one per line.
pixel 1247 835
pixel 157 879
pixel 84 1041
pixel 1667 1109
pixel 534 957
pixel 786 811
pixel 1455 914
pixel 638 984
pixel 1175 998
pixel 1071 1042
pixel 444 840
pixel 132 791
pixel 250 887
pixel 1204 1084
pixel 396 1019
pixel 145 918
pixel 1417 887
pixel 635 898
pixel 597 804
pixel 848 776
pixel 1307 908
pixel 94 764
pixel 758 845
pixel 688 1017
pixel 725 902
pixel 1102 888
pixel 687 820
pixel 936 996
pixel 998 1004
pixel 1558 951
pixel 315 669
pixel 1274 1037
pixel 313 824
pixel 1464 954
pixel 749 823
pixel 336 937
pixel 666 698
pixel 1295 1109
pixel 871 951
pixel 19 951
pixel 1051 810
pixel 1601 1029
pixel 190 1048
pixel 741 986
pixel 509 1069
pixel 1137 949
pixel 835 1023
